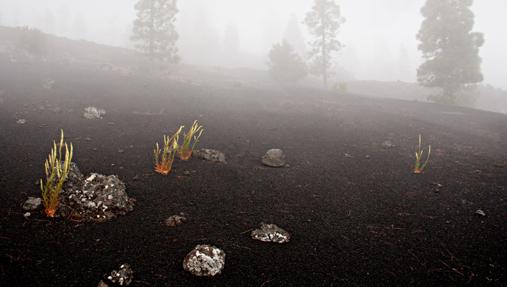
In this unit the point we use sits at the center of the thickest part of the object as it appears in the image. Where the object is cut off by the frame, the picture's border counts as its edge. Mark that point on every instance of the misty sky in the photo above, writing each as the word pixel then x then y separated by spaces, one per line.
pixel 379 34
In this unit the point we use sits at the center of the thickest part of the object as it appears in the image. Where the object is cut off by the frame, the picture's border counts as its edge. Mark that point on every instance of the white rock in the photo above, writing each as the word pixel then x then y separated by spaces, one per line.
pixel 204 260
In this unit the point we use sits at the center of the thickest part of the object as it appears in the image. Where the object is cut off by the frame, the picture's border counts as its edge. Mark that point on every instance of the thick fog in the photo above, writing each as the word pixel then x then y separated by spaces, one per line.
pixel 379 35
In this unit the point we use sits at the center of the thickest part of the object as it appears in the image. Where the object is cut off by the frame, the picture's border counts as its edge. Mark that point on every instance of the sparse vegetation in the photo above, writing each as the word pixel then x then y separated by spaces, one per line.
pixel 190 140
pixel 164 158
pixel 340 88
pixel 57 168
pixel 419 166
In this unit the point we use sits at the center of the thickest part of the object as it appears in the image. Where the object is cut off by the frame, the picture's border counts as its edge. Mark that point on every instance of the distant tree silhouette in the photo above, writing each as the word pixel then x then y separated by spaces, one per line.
pixel 323 21
pixel 450 48
pixel 154 32
pixel 285 65
pixel 231 39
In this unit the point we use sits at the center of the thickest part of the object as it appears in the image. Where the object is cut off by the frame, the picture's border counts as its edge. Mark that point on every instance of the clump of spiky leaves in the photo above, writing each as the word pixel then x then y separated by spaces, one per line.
pixel 164 157
pixel 190 140
pixel 419 166
pixel 56 167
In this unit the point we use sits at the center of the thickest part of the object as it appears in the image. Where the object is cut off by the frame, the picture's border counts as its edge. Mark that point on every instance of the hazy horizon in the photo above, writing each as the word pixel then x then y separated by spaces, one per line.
pixel 379 36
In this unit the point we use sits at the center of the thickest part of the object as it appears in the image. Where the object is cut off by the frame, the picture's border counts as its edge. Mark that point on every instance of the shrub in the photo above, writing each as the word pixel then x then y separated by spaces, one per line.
pixel 285 65
pixel 195 132
pixel 164 158
pixel 56 168
pixel 419 166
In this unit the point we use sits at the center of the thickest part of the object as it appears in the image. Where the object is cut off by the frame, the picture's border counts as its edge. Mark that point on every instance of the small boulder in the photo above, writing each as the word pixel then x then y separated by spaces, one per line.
pixel 210 155
pixel 274 158
pixel 270 233
pixel 121 277
pixel 204 260
pixel 96 198
pixel 32 203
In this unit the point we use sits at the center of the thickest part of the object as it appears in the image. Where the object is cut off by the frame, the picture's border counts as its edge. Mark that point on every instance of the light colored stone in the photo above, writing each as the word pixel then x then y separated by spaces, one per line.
pixel 274 158
pixel 32 203
pixel 270 233
pixel 93 113
pixel 204 260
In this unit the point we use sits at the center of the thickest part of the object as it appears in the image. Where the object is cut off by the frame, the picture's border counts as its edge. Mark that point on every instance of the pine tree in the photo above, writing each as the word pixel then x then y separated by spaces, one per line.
pixel 154 32
pixel 450 48
pixel 285 65
pixel 323 22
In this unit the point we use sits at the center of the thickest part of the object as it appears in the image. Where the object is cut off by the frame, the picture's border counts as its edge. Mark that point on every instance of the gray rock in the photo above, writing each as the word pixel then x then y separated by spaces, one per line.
pixel 121 277
pixel 388 144
pixel 75 177
pixel 93 113
pixel 270 233
pixel 210 155
pixel 204 260
pixel 175 220
pixel 21 121
pixel 32 203
pixel 274 158
pixel 96 198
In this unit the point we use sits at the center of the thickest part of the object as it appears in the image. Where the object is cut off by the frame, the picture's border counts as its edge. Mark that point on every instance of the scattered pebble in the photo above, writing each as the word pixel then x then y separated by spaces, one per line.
pixel 21 121
pixel 32 203
pixel 175 220
pixel 204 260
pixel 270 233
pixel 274 158
pixel 480 212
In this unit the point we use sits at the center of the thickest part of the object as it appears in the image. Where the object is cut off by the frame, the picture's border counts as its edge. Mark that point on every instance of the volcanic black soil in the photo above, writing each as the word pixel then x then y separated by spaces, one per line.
pixel 357 214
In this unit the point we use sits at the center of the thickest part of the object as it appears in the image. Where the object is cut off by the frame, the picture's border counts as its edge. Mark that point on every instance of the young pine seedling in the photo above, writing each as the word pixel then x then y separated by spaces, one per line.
pixel 193 135
pixel 56 167
pixel 419 166
pixel 164 157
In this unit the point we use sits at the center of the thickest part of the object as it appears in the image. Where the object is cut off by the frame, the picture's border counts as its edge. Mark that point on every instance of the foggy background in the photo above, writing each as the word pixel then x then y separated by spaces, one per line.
pixel 379 35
